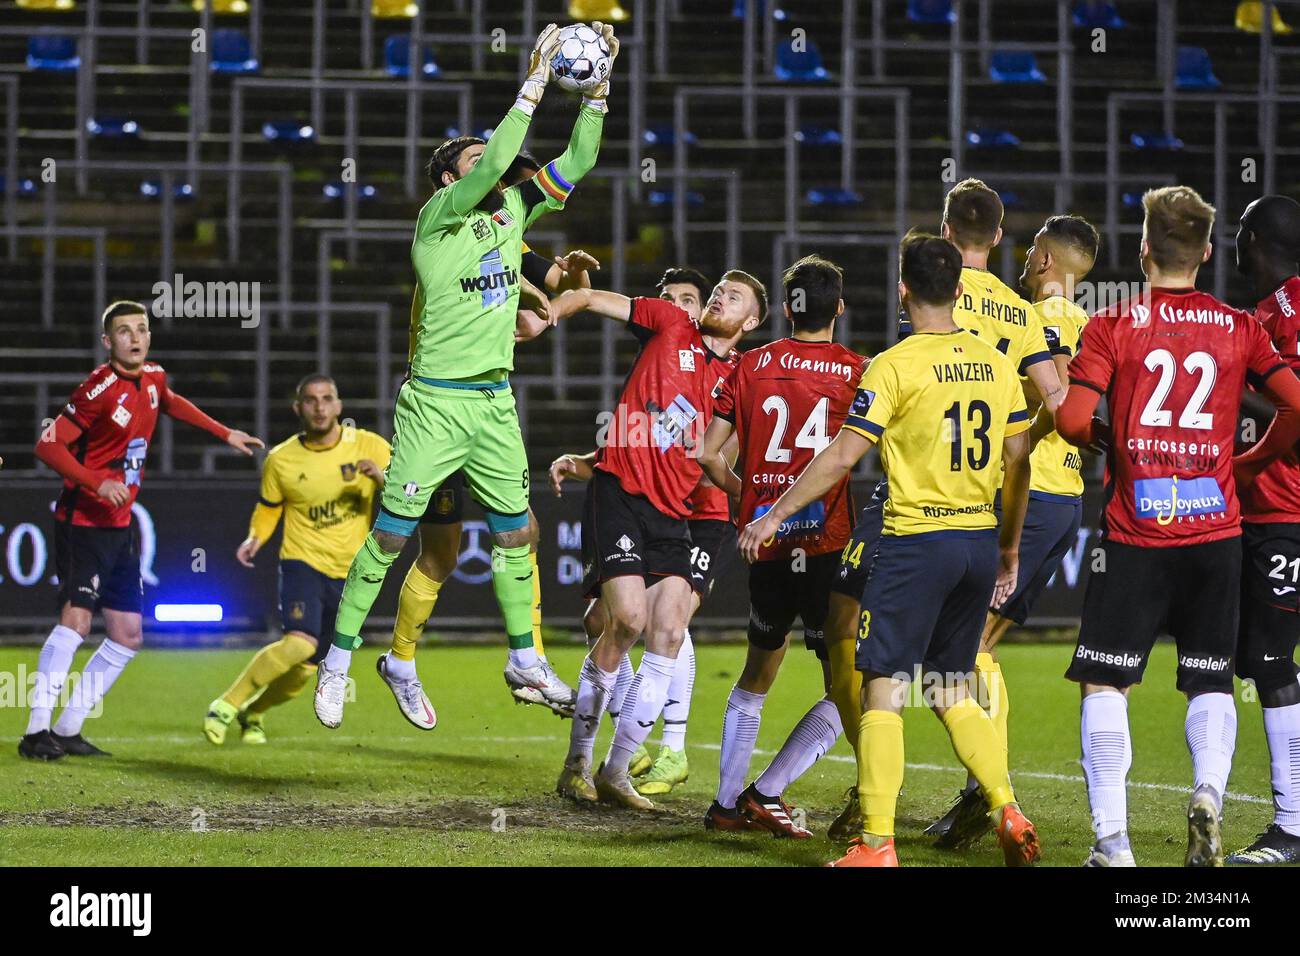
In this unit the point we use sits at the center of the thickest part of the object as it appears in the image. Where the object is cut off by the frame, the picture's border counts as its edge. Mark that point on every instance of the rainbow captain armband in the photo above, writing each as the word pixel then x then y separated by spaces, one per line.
pixel 552 183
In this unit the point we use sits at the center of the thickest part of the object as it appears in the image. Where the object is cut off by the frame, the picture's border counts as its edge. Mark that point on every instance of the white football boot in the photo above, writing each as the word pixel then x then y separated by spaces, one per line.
pixel 331 691
pixel 540 685
pixel 411 699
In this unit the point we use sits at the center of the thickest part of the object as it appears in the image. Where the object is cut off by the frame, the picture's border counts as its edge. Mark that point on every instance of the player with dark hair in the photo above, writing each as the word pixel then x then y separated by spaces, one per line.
pixel 1268 252
pixel 636 542
pixel 1062 254
pixel 712 535
pixel 783 404
pixel 325 481
pixel 1171 365
pixel 99 446
pixel 456 411
pixel 947 410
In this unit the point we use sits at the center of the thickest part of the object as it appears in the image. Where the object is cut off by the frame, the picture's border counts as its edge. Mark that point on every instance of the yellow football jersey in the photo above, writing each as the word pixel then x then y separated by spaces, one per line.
pixel 1057 465
pixel 940 404
pixel 325 499
pixel 989 307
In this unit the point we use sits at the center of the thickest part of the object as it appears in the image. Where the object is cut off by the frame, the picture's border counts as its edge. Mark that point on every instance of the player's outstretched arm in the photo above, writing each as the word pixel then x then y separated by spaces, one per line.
pixel 54 448
pixel 1015 502
pixel 183 410
pixel 821 475
pixel 577 467
pixel 713 457
pixel 612 305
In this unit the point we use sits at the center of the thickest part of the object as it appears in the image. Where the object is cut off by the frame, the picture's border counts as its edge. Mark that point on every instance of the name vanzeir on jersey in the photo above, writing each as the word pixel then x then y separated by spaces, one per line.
pixel 940 405
pixel 1172 367
pixel 1056 466
pixel 1274 497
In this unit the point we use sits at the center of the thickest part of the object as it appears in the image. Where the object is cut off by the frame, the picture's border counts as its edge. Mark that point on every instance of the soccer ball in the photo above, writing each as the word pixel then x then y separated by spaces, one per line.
pixel 582 60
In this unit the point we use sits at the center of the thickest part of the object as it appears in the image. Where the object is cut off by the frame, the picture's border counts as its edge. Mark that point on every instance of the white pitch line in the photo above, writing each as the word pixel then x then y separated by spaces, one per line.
pixel 836 758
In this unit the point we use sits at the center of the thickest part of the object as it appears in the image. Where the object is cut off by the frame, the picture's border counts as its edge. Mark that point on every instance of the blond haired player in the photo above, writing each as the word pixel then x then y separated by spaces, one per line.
pixel 324 481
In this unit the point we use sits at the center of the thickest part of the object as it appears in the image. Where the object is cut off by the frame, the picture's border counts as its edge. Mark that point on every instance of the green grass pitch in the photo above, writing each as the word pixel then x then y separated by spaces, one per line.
pixel 478 790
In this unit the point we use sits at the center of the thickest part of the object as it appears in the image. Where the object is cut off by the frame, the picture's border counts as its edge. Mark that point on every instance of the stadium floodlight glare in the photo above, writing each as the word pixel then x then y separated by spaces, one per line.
pixel 190 613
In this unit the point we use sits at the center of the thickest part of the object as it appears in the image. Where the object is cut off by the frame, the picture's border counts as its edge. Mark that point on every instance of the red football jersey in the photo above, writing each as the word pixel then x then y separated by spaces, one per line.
pixel 787 401
pixel 1275 495
pixel 651 444
pixel 709 503
pixel 116 415
pixel 1172 369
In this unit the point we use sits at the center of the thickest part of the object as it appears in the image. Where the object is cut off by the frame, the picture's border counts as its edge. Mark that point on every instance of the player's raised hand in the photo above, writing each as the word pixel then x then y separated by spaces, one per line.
pixel 577 262
pixel 247 550
pixel 243 441
pixel 114 492
pixel 568 466
pixel 539 64
pixel 534 300
pixel 1008 572
pixel 600 91
pixel 529 325
pixel 755 535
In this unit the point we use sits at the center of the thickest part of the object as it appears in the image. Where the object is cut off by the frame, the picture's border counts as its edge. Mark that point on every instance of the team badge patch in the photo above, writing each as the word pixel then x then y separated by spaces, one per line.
pixel 862 402
pixel 349 470
pixel 625 543
pixel 412 489
pixel 445 501
pixel 502 217
pixel 686 360
pixel 121 415
pixel 297 611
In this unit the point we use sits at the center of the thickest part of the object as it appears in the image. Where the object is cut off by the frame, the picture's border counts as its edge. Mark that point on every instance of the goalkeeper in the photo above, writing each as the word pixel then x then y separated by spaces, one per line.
pixel 456 411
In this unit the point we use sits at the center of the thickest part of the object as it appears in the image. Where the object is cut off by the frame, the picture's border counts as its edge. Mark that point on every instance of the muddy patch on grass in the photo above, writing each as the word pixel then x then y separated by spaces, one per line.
pixel 443 816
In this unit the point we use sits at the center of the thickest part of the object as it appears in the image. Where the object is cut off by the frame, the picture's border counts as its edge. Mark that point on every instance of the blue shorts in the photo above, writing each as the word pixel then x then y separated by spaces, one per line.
pixel 1051 529
pixel 308 603
pixel 925 602
pixel 850 577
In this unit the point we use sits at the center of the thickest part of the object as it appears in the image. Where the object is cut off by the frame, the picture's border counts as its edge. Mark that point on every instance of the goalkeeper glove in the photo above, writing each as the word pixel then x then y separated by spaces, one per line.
pixel 539 67
pixel 596 98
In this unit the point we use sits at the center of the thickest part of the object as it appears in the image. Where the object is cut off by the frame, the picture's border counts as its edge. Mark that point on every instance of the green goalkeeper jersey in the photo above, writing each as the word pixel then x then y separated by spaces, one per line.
pixel 467 260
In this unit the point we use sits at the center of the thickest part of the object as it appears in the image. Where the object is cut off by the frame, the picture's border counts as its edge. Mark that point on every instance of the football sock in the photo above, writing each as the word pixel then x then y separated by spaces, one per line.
pixel 594 689
pixel 414 605
pixel 1282 727
pixel 1107 756
pixel 739 734
pixel 815 734
pixel 846 686
pixel 1211 737
pixel 402 670
pixel 268 664
pixel 880 770
pixel 678 706
pixel 975 743
pixel 51 674
pixel 101 671
pixel 538 645
pixel 625 675
pixel 283 689
pixel 338 658
pixel 512 582
pixel 644 703
pixel 995 701
pixel 365 578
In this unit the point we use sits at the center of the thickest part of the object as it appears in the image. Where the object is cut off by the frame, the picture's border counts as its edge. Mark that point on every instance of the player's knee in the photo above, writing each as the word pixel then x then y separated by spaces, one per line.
pixel 514 538
pixel 626 625
pixel 391 542
pixel 132 638
pixel 665 640
pixel 534 530
pixel 593 621
pixel 76 618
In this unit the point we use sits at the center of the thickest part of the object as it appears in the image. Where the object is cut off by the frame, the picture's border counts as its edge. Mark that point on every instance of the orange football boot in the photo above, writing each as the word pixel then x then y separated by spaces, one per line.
pixel 862 855
pixel 1017 837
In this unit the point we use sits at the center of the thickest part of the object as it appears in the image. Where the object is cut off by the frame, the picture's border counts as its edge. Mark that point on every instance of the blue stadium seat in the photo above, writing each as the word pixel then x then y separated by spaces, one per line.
pixel 985 137
pixel 931 11
pixel 666 136
pixel 760 8
pixel 805 67
pixel 1131 200
pixel 397 57
pixel 58 53
pixel 287 131
pixel 818 136
pixel 1010 200
pixel 24 187
pixel 152 189
pixel 231 52
pixel 485 134
pixel 1092 14
pixel 664 197
pixel 833 196
pixel 113 127
pixel 339 190
pixel 1155 140
pixel 1194 70
pixel 1015 66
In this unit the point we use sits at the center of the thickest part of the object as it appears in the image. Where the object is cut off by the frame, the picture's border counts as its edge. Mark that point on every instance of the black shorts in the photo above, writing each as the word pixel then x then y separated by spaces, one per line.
pixel 1051 529
pixel 1270 604
pixel 447 503
pixel 1192 593
pixel 625 534
pixel 850 577
pixel 309 602
pixel 925 603
pixel 99 567
pixel 778 593
pixel 711 541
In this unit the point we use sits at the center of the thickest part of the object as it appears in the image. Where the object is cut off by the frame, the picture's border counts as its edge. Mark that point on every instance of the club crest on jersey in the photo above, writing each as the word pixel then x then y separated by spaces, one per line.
pixel 686 360
pixel 297 611
pixel 444 501
pixel 411 488
pixel 121 415
pixel 348 470
pixel 625 543
pixel 481 229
